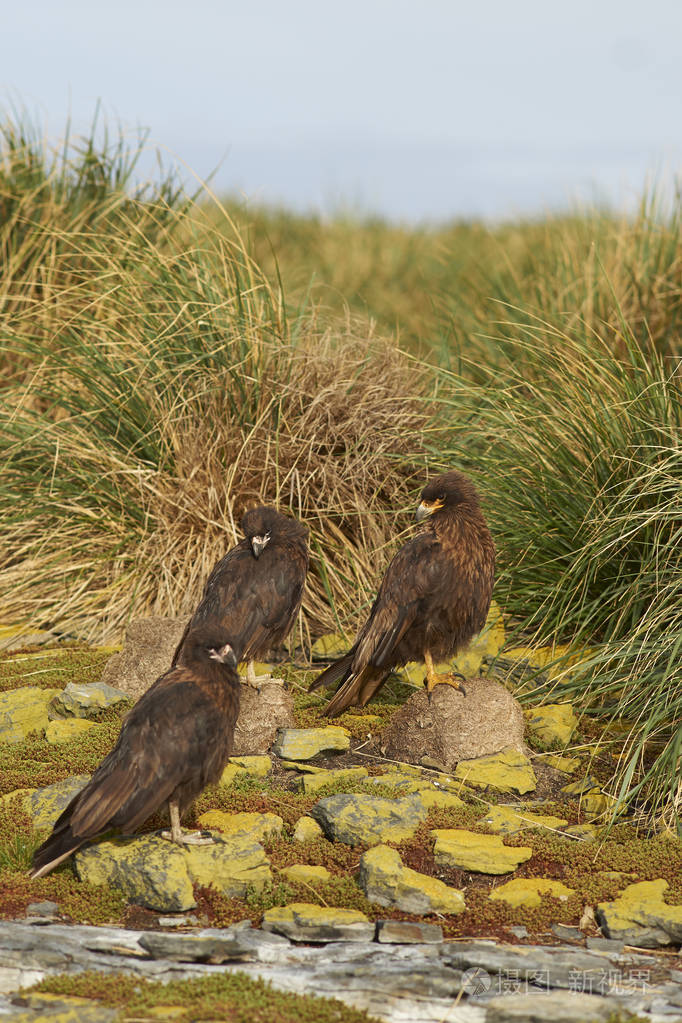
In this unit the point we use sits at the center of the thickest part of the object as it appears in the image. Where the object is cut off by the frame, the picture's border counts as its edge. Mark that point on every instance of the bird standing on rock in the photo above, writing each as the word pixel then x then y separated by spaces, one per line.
pixel 175 741
pixel 433 599
pixel 255 591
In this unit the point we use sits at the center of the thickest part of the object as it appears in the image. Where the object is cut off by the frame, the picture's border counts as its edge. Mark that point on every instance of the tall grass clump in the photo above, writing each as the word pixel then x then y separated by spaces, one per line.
pixel 51 200
pixel 576 442
pixel 161 388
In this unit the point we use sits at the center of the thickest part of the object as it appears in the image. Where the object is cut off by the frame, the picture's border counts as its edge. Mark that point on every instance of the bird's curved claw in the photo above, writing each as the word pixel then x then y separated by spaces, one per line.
pixel 453 678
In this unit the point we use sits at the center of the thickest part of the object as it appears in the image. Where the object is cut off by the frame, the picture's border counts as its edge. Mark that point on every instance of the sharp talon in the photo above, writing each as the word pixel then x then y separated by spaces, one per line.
pixel 189 837
pixel 454 679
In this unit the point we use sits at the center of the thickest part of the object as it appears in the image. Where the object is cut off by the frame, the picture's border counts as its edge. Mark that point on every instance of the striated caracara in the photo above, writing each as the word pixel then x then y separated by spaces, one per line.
pixel 175 741
pixel 255 591
pixel 433 599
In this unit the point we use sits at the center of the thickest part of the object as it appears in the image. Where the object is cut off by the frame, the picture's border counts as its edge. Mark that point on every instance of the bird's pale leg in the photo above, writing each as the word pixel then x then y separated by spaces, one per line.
pixel 433 679
pixel 180 837
pixel 252 679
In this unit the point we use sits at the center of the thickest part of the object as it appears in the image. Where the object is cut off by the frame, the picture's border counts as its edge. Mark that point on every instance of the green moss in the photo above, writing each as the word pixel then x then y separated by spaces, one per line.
pixel 52 668
pixel 232 996
pixel 36 762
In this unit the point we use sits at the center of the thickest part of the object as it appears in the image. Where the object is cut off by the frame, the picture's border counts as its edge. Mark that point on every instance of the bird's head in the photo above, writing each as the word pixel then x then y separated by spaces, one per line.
pixel 446 492
pixel 262 524
pixel 212 643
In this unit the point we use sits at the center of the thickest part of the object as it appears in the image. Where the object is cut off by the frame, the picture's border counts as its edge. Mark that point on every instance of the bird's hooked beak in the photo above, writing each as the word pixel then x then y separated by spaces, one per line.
pixel 259 543
pixel 427 508
pixel 224 654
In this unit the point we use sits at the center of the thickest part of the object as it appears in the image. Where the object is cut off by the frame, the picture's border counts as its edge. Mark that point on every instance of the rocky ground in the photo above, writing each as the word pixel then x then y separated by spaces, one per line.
pixel 436 861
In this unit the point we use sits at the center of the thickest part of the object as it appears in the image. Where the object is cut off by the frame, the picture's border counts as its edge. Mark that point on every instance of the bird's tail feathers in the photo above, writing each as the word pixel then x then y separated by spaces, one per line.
pixel 336 672
pixel 54 851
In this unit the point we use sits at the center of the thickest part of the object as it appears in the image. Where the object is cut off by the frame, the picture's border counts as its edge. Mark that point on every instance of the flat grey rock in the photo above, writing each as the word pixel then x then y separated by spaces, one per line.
pixel 557 1006
pixel 86 700
pixel 452 982
pixel 215 946
pixel 407 932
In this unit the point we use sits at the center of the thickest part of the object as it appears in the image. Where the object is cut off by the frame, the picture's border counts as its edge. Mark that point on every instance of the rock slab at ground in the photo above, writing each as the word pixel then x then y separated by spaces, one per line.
pixel 387 882
pixel 155 873
pixel 306 743
pixel 468 850
pixel 398 983
pixel 23 711
pixel 368 820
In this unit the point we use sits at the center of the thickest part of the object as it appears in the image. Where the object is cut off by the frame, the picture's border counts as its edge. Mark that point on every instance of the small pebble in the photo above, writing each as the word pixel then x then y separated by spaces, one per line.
pixel 178 921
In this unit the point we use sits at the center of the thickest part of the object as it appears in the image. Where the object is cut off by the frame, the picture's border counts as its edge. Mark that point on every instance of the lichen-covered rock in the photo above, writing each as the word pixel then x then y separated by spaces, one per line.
pixel 231 865
pixel 510 820
pixel 46 804
pixel 305 873
pixel 640 916
pixel 595 802
pixel 432 798
pixel 578 788
pixel 583 832
pixel 258 827
pixel 452 727
pixel 368 820
pixel 386 881
pixel 565 764
pixel 485 854
pixel 245 767
pixel 507 771
pixel 86 700
pixel 558 662
pixel 528 891
pixel 397 782
pixel 553 723
pixel 67 729
pixel 23 711
pixel 306 743
pixel 149 870
pixel 307 830
pixel 256 766
pixel 315 782
pixel 330 646
pixel 301 921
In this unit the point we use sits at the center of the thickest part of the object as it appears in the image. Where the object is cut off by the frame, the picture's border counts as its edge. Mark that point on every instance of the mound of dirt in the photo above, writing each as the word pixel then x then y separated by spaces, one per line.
pixel 453 726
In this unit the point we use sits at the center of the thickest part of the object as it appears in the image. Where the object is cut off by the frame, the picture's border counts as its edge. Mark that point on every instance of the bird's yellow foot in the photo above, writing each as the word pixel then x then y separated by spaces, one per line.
pixel 188 837
pixel 451 679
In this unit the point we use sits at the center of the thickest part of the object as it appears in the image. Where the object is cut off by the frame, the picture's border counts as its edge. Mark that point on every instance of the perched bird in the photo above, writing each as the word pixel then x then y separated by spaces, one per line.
pixel 432 601
pixel 255 591
pixel 174 742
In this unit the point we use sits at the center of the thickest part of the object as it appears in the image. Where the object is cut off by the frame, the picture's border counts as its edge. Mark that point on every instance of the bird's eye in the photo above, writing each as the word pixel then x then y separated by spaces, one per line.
pixel 441 497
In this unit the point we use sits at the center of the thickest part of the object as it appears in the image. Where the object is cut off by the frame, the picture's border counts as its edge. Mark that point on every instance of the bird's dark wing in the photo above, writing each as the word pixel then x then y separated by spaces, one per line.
pixel 255 600
pixel 412 574
pixel 410 577
pixel 164 742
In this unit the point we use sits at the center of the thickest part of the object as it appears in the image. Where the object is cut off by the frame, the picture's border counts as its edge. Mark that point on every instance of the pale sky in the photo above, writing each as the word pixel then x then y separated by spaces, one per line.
pixel 430 109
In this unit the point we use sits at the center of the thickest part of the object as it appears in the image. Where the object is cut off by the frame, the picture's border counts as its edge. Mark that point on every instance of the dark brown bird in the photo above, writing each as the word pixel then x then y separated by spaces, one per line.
pixel 433 599
pixel 255 591
pixel 174 742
